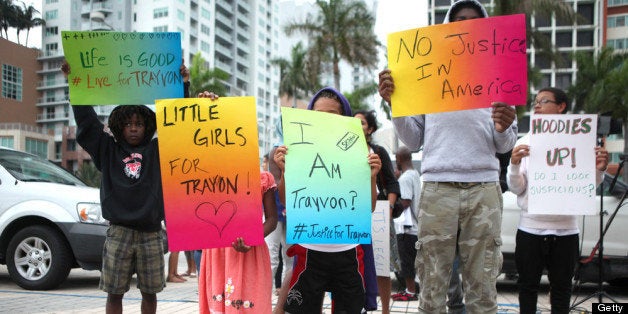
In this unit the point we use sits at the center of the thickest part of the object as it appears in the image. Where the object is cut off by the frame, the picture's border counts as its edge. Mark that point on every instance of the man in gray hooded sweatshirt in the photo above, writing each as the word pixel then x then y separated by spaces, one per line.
pixel 461 200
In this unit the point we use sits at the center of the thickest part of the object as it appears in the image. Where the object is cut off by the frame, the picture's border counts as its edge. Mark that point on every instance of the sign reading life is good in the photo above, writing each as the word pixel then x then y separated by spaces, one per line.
pixel 327 178
pixel 122 68
pixel 458 66
pixel 208 153
pixel 561 169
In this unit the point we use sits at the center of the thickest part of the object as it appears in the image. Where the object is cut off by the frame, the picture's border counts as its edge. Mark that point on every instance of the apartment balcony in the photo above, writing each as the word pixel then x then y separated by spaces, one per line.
pixel 49 54
pixel 43 85
pixel 52 117
pixel 49 101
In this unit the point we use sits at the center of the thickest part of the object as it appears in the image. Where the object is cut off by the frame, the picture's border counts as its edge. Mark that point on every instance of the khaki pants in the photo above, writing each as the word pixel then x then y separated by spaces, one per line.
pixel 467 216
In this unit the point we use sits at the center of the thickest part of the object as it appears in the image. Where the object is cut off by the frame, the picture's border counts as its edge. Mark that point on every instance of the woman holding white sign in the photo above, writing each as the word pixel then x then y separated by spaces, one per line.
pixel 545 241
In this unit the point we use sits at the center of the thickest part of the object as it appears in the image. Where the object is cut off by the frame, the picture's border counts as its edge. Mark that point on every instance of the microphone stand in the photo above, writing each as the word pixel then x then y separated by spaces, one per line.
pixel 600 244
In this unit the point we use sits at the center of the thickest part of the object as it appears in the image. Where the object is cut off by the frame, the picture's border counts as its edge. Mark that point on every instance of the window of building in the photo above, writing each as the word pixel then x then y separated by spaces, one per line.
pixel 612 3
pixel 542 21
pixel 52 31
pixel 71 145
pixel 565 60
pixel 37 147
pixel 158 29
pixel 617 21
pixel 205 13
pixel 563 80
pixel 181 15
pixel 205 46
pixel 51 15
pixel 585 38
pixel 160 12
pixel 586 11
pixel 6 141
pixel 541 61
pixel 51 49
pixel 563 39
pixel 205 29
pixel 11 82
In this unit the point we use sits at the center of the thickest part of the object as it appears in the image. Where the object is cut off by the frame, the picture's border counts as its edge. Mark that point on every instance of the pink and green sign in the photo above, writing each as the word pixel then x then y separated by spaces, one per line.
pixel 208 152
pixel 122 68
pixel 459 66
pixel 327 177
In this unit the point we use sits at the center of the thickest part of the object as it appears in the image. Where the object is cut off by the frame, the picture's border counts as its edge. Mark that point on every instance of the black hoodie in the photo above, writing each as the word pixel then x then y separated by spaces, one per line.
pixel 131 191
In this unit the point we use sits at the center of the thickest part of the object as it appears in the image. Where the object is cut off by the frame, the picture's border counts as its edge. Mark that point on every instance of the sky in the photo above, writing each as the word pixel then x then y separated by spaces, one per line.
pixel 392 16
pixel 34 37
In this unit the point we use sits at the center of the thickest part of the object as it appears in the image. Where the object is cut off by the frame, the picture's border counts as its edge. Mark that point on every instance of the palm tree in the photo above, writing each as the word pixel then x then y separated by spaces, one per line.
pixel 357 96
pixel 88 173
pixel 204 79
pixel 342 30
pixel 294 80
pixel 601 85
pixel 542 42
pixel 26 20
pixel 8 16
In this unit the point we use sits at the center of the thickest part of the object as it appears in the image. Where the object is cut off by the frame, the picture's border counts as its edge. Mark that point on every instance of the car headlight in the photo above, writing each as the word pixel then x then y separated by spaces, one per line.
pixel 90 213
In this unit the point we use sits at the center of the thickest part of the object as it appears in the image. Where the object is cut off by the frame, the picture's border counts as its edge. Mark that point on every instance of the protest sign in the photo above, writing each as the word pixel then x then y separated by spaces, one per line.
pixel 561 167
pixel 327 178
pixel 122 68
pixel 380 231
pixel 458 66
pixel 209 160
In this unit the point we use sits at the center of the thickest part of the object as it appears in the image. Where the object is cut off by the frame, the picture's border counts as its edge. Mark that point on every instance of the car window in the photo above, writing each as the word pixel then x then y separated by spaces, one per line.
pixel 27 167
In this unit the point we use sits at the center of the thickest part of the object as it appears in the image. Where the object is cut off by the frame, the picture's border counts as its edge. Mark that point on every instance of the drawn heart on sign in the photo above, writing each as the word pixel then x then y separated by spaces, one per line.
pixel 219 217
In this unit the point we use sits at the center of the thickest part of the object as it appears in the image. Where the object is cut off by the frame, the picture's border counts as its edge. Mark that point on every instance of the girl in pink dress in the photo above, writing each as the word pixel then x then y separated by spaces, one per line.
pixel 238 279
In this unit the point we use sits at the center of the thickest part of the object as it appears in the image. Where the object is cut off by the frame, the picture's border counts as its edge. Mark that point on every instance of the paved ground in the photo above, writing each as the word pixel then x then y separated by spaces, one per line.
pixel 80 294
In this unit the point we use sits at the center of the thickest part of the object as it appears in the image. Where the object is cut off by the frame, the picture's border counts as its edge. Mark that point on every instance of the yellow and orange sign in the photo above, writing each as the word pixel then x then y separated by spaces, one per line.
pixel 208 152
pixel 458 66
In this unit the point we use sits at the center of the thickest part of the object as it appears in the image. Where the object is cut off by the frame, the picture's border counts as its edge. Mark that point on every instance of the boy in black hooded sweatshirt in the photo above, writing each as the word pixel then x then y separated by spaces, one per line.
pixel 131 197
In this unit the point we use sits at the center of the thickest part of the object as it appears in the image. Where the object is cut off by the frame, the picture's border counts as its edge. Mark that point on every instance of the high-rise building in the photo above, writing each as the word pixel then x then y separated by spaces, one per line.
pixel 616 26
pixel 239 37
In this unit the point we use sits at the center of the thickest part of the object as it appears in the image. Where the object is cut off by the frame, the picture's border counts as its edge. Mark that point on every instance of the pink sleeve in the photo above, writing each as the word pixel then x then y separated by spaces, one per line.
pixel 268 181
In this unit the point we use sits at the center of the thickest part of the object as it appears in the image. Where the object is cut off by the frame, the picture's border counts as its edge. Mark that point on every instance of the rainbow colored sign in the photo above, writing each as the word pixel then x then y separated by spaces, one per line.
pixel 458 66
pixel 122 68
pixel 327 178
pixel 210 172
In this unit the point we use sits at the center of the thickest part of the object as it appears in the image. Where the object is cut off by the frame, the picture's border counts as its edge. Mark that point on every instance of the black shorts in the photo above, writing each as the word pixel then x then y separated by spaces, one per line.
pixel 407 254
pixel 314 272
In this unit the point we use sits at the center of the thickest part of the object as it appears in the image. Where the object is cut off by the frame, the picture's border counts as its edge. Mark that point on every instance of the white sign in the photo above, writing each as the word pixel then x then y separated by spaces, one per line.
pixel 561 168
pixel 380 233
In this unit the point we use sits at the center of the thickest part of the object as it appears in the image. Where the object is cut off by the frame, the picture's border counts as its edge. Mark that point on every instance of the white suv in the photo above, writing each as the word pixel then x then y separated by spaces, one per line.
pixel 615 239
pixel 50 221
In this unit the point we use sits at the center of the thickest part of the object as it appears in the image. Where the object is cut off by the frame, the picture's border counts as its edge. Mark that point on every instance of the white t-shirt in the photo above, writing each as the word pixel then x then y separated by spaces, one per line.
pixel 410 186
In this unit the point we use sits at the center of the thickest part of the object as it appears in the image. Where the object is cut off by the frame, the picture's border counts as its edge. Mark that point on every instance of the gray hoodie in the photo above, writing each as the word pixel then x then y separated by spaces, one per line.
pixel 458 146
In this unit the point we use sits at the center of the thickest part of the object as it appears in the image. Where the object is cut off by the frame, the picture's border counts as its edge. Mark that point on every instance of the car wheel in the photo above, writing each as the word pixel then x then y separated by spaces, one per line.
pixel 38 258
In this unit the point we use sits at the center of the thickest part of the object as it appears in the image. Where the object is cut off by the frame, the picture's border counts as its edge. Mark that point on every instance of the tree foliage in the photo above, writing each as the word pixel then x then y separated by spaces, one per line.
pixel 88 173
pixel 296 81
pixel 204 79
pixel 341 30
pixel 18 17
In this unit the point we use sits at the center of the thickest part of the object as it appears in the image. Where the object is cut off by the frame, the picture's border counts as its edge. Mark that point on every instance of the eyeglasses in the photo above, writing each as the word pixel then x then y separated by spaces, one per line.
pixel 542 102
